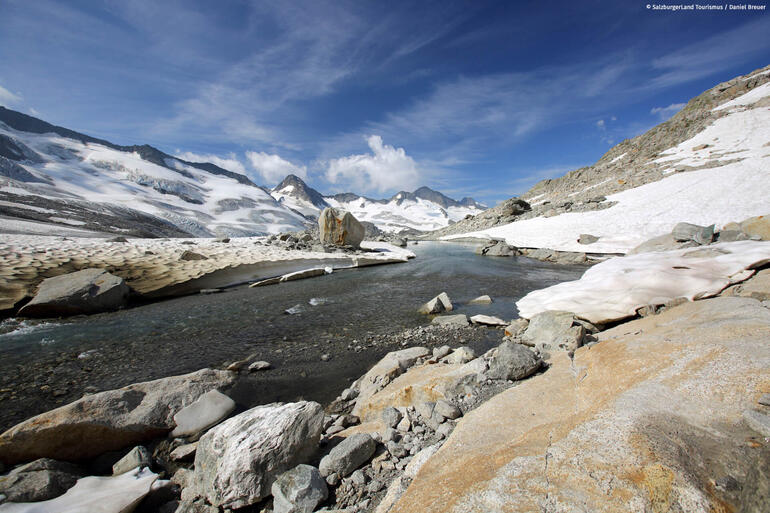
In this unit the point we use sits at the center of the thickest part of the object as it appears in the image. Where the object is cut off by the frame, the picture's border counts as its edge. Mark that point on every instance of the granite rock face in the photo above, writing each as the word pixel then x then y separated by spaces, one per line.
pixel 108 420
pixel 82 292
pixel 237 462
pixel 645 420
pixel 340 228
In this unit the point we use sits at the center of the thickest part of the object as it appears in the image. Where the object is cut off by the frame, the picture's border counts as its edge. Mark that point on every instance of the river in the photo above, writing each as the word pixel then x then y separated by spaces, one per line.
pixel 352 316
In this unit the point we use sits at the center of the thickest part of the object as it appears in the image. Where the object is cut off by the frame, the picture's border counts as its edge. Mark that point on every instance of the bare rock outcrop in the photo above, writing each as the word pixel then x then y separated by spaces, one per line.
pixel 648 419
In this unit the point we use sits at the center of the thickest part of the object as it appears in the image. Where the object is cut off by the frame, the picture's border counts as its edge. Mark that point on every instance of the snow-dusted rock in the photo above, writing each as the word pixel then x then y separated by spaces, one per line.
pixel 108 420
pixel 350 454
pixel 82 292
pixel 208 410
pixel 119 494
pixel 238 460
pixel 488 320
pixel 299 490
pixel 616 288
pixel 340 228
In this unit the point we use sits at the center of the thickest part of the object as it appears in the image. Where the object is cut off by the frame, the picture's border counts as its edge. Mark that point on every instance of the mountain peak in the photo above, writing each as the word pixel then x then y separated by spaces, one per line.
pixel 295 188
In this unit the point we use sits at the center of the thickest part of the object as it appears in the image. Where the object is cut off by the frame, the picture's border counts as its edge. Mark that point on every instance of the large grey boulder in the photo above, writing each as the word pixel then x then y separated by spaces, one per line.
pixel 684 232
pixel 237 461
pixel 513 361
pixel 208 410
pixel 350 454
pixel 82 292
pixel 340 228
pixel 108 420
pixel 554 329
pixel 39 480
pixel 299 490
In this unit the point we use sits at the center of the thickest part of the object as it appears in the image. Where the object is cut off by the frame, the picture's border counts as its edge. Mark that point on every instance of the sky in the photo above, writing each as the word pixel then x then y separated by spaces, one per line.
pixel 472 98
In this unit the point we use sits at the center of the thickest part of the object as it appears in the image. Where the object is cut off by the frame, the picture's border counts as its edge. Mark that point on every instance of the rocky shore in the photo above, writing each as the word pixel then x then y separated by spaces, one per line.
pixel 656 407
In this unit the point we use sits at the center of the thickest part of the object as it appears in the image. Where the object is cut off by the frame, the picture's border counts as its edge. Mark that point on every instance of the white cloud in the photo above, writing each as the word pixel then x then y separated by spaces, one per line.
pixel 386 168
pixel 600 124
pixel 273 168
pixel 666 112
pixel 9 99
pixel 230 162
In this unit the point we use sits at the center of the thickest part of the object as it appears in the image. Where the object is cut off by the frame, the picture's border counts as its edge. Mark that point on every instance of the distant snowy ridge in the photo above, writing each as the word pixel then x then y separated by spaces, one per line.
pixel 137 190
pixel 709 164
pixel 421 210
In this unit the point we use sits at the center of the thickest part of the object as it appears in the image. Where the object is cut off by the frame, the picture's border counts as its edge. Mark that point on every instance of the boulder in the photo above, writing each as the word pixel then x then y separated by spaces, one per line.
pixel 554 329
pixel 119 494
pixel 488 320
pixel 423 383
pixel 339 228
pixel 757 226
pixel 513 362
pixel 664 242
pixel 184 452
pixel 497 248
pixel 206 411
pixel 39 480
pixel 481 300
pixel 516 327
pixel 458 320
pixel 299 490
pixel 648 419
pixel 462 354
pixel 684 232
pixel 108 420
pixel 238 460
pixel 350 454
pixel 391 417
pixel 138 457
pixel 731 236
pixel 82 292
pixel 437 305
pixel 386 370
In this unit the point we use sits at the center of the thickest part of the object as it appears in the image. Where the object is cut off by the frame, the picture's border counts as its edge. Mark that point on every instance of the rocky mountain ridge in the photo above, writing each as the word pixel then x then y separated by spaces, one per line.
pixel 634 162
pixel 423 209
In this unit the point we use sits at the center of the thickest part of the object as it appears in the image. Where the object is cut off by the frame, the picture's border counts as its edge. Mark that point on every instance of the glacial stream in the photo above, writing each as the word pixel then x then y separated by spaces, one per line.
pixel 352 316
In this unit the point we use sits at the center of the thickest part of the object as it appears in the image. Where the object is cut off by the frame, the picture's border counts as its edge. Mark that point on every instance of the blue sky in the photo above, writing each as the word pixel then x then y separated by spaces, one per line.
pixel 477 99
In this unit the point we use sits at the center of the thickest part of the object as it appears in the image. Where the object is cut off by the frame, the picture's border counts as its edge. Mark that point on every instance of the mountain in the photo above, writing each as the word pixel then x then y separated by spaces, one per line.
pixel 297 195
pixel 62 178
pixel 423 209
pixel 708 164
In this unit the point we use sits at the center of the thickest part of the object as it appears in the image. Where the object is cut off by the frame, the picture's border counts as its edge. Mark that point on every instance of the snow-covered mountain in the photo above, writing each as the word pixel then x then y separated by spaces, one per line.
pixel 55 176
pixel 422 210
